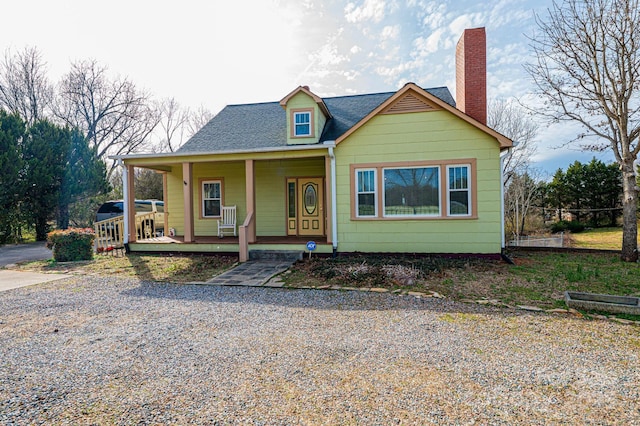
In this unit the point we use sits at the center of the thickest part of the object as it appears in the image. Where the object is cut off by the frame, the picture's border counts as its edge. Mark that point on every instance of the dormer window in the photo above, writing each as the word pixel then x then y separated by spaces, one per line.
pixel 302 123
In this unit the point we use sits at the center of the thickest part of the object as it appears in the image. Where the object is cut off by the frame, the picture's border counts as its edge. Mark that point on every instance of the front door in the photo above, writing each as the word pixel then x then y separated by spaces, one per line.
pixel 307 195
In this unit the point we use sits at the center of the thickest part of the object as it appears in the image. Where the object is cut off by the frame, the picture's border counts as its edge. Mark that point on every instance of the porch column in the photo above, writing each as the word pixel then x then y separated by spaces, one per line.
pixel 250 195
pixel 327 195
pixel 187 192
pixel 130 209
pixel 165 198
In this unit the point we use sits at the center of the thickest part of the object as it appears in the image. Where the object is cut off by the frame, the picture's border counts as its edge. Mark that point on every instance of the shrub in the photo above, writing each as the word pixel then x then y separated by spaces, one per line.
pixel 563 225
pixel 71 244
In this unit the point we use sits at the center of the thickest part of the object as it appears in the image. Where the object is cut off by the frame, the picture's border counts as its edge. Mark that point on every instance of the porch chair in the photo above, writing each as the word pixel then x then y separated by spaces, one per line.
pixel 227 220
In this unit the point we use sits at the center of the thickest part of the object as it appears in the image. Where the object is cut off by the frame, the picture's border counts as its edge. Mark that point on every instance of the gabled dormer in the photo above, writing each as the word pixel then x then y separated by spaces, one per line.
pixel 306 116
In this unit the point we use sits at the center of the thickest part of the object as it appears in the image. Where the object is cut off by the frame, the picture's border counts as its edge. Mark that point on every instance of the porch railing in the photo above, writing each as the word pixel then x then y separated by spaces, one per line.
pixel 145 226
pixel 243 237
pixel 109 234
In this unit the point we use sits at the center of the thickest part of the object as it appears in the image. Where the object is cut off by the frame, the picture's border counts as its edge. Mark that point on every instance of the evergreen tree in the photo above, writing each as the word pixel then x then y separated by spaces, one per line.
pixel 556 193
pixel 593 192
pixel 12 130
pixel 45 154
pixel 84 176
pixel 603 192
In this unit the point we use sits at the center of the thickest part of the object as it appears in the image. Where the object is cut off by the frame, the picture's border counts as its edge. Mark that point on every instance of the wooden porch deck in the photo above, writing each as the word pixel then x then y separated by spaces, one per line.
pixel 234 240
pixel 213 244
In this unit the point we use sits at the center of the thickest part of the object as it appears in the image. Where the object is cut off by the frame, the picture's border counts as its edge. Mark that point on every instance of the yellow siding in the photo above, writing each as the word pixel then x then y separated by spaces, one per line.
pixel 423 136
pixel 173 203
pixel 232 175
pixel 233 192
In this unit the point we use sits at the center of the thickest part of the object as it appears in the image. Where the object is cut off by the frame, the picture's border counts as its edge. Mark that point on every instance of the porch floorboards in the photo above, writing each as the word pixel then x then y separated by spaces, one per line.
pixel 234 240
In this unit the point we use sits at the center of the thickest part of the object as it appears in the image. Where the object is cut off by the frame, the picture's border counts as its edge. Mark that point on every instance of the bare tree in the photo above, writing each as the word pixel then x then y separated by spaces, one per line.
pixel 513 121
pixel 116 117
pixel 24 86
pixel 588 71
pixel 174 125
pixel 198 119
pixel 521 192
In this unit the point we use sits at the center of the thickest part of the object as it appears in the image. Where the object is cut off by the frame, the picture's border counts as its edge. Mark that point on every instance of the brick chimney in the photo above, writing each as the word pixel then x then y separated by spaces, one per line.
pixel 471 74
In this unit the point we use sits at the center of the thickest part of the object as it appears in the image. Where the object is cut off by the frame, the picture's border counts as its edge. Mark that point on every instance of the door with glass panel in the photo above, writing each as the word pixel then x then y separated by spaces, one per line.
pixel 305 206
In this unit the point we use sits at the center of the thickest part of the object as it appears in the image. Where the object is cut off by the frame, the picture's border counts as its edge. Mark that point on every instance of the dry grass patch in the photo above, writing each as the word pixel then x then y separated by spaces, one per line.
pixel 601 238
pixel 151 267
pixel 538 279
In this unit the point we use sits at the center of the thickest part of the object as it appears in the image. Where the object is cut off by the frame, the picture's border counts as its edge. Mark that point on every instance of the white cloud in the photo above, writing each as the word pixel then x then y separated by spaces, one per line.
pixel 506 12
pixel 392 74
pixel 434 14
pixel 355 49
pixel 462 22
pixel 369 10
pixel 390 32
pixel 351 75
pixel 507 54
pixel 425 46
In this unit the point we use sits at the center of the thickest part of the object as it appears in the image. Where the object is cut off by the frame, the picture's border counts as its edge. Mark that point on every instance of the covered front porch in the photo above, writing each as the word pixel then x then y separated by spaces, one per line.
pixel 282 200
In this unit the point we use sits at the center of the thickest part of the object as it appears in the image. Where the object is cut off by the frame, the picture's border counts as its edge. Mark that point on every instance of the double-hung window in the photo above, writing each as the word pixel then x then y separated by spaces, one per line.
pixel 211 198
pixel 302 123
pixel 411 191
pixel 458 190
pixel 366 200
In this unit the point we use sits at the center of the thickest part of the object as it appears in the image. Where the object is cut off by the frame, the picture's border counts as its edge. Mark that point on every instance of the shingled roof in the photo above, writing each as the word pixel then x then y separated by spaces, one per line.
pixel 264 125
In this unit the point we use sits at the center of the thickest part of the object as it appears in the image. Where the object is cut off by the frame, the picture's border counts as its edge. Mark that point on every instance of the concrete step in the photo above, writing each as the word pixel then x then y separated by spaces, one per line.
pixel 285 255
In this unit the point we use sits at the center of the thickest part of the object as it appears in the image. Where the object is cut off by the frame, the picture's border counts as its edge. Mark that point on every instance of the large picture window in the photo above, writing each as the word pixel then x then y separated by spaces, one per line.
pixel 413 191
pixel 366 193
pixel 443 189
pixel 211 198
pixel 458 190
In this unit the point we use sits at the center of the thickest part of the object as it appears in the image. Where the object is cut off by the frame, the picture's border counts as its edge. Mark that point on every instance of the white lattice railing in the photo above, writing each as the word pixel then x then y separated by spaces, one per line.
pixel 109 234
pixel 145 226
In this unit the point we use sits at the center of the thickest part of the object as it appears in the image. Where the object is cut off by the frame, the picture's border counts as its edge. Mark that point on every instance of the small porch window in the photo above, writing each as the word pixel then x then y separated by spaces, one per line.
pixel 211 198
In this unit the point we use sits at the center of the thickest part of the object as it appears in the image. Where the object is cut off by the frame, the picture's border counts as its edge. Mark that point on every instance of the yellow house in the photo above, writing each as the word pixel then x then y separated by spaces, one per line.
pixel 403 172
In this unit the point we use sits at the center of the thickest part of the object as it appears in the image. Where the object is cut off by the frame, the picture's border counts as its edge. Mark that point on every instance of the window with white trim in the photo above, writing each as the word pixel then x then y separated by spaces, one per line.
pixel 211 198
pixel 411 191
pixel 302 123
pixel 366 200
pixel 458 190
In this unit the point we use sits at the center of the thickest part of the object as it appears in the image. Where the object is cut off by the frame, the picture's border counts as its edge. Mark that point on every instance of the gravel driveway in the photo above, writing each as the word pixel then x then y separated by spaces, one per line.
pixel 90 350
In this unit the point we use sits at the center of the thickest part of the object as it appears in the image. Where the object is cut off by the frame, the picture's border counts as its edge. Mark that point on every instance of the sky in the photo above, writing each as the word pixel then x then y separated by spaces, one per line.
pixel 214 53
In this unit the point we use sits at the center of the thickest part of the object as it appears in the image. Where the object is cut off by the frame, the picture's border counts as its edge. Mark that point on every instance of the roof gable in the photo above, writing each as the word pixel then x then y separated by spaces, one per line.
pixel 410 102
pixel 304 89
pixel 413 96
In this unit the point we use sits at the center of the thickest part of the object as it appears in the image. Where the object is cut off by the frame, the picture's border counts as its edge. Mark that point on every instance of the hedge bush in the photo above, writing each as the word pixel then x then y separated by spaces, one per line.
pixel 71 244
